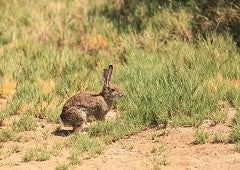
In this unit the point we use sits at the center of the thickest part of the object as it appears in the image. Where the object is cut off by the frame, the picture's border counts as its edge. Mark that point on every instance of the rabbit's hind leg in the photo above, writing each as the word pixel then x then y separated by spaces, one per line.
pixel 79 118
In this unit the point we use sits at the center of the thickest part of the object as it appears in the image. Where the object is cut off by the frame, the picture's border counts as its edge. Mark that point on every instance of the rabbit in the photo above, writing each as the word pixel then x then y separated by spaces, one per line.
pixel 79 107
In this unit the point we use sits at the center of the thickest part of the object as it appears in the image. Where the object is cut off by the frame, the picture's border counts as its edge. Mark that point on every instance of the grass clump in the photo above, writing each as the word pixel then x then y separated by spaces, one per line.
pixel 26 123
pixel 74 159
pixel 160 158
pixel 219 117
pixel 37 154
pixel 62 167
pixel 235 133
pixel 237 146
pixel 84 143
pixel 201 137
pixel 160 148
pixel 9 135
pixel 46 134
pixel 56 149
pixel 218 138
pixel 160 161
pixel 110 131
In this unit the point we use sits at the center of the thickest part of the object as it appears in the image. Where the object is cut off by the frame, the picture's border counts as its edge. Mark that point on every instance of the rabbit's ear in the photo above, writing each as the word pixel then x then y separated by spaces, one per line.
pixel 104 77
pixel 107 75
pixel 110 69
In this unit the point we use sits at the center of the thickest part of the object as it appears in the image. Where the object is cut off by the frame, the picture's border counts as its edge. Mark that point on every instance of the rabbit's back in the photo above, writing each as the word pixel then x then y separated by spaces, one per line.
pixel 87 103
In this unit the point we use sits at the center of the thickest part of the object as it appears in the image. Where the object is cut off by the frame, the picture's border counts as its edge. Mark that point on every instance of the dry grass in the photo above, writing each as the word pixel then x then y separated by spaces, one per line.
pixel 8 87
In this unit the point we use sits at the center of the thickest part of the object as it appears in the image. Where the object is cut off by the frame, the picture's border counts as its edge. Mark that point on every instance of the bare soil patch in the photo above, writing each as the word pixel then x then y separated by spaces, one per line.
pixel 181 153
pixel 150 149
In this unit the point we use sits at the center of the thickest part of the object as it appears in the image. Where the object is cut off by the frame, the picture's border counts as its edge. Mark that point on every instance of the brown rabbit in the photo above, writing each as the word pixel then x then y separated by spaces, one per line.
pixel 79 107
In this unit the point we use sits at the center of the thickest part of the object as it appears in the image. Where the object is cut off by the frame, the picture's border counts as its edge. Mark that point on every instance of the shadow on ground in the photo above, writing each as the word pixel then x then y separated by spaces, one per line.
pixel 62 132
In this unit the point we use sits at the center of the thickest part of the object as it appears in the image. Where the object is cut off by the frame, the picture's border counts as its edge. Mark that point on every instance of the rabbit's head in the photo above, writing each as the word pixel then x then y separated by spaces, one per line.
pixel 110 91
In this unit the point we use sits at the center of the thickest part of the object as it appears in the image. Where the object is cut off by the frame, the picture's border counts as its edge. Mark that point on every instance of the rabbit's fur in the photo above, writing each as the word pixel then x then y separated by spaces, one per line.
pixel 79 107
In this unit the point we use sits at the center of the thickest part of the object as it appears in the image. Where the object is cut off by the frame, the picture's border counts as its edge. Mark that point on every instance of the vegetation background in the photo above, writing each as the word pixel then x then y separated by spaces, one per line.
pixel 176 61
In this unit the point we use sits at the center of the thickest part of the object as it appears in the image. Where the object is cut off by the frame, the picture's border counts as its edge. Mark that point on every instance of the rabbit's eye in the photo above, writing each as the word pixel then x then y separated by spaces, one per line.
pixel 112 90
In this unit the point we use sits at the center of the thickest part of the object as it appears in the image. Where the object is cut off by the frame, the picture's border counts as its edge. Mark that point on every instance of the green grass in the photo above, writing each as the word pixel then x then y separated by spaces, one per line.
pixel 110 131
pixel 46 134
pixel 56 149
pixel 37 154
pixel 66 62
pixel 9 135
pixel 62 167
pixel 160 161
pixel 201 137
pixel 218 138
pixel 235 134
pixel 25 123
pixel 219 117
pixel 84 143
pixel 237 147
pixel 74 159
pixel 158 149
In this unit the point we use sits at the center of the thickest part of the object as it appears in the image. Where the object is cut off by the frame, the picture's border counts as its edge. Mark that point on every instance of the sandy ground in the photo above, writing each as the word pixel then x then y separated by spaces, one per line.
pixel 180 153
pixel 150 149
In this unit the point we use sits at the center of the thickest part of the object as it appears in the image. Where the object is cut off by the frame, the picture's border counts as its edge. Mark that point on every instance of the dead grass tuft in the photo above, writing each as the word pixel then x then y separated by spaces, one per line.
pixel 91 44
pixel 45 86
pixel 8 87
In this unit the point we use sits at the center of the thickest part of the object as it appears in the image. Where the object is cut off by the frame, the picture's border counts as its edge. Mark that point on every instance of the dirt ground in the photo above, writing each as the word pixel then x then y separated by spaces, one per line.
pixel 150 149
